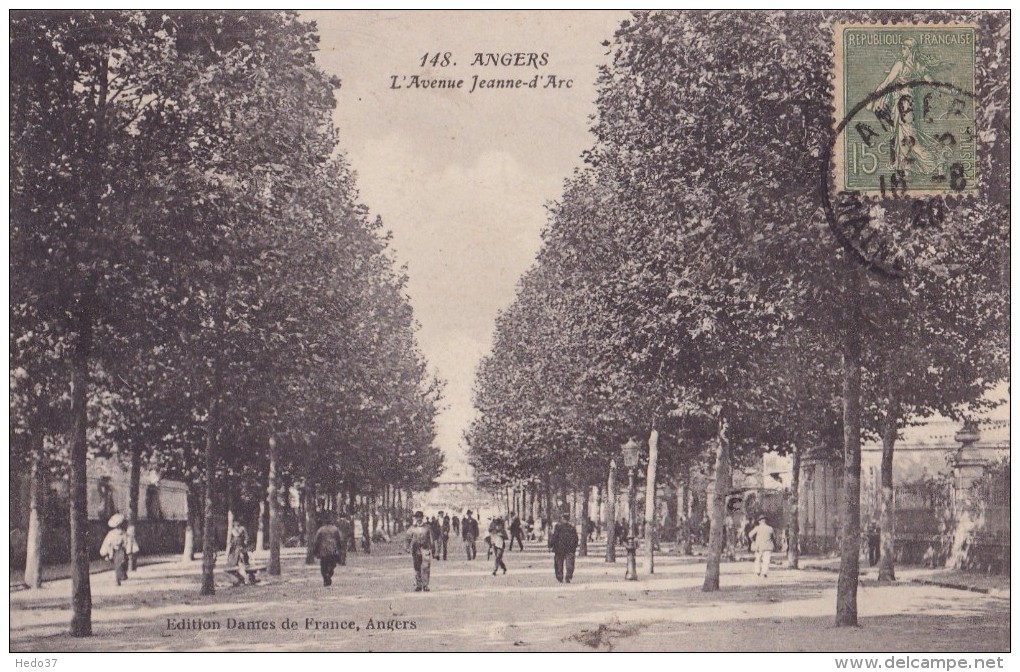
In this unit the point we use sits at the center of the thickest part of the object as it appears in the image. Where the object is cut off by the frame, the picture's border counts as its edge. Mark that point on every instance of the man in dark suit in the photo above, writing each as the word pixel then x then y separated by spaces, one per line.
pixel 516 532
pixel 469 532
pixel 328 546
pixel 444 538
pixel 563 542
pixel 346 528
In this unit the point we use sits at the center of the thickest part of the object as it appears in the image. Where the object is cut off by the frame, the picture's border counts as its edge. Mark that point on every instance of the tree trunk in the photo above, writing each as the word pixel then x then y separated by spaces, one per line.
pixel 190 531
pixel 373 508
pixel 287 510
pixel 133 496
pixel 209 518
pixel 310 521
pixel 677 506
pixel 849 566
pixel 598 506
pixel 582 550
pixel 211 455
pixel 81 588
pixel 794 543
pixel 718 489
pixel 228 501
pixel 548 502
pixel 887 510
pixel 36 504
pixel 275 518
pixel 81 352
pixel 671 518
pixel 260 531
pixel 366 535
pixel 650 536
pixel 688 505
pixel 611 513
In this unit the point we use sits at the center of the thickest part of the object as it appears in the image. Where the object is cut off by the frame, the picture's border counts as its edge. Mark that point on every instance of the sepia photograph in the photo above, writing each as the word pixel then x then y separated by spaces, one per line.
pixel 570 331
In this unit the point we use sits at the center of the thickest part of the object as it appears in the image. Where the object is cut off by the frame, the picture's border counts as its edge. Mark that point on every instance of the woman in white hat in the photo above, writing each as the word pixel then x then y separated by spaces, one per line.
pixel 117 545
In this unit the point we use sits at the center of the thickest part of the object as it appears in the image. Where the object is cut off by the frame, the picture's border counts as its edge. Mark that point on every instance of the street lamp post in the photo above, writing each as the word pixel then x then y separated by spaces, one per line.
pixel 631 458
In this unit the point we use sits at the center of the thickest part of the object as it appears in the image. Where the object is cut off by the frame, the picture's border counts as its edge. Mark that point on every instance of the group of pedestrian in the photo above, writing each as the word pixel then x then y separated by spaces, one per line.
pixel 426 540
pixel 424 536
pixel 440 525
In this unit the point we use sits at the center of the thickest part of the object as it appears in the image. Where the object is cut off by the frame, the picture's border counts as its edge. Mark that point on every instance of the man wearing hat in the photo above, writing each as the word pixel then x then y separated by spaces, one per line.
pixel 419 544
pixel 469 532
pixel 563 542
pixel 763 539
pixel 117 545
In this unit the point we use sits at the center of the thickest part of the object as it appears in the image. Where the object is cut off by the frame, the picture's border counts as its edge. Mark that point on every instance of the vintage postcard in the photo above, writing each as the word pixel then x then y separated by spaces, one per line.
pixel 511 331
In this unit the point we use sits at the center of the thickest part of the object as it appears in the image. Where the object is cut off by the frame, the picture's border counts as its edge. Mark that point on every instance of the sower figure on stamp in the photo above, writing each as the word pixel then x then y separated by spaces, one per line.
pixel 328 547
pixel 563 543
pixel 914 149
pixel 470 534
pixel 419 544
pixel 763 541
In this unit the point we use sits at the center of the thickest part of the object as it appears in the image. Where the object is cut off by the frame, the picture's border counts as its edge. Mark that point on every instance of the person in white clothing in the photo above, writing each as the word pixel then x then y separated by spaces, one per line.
pixel 763 539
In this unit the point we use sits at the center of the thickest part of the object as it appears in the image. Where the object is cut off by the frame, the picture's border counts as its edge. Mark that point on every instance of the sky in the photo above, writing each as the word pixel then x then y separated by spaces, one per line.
pixel 462 178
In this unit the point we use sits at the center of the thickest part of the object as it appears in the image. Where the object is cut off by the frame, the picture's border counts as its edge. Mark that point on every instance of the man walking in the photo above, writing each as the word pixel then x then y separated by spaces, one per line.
pixel 469 527
pixel 444 539
pixel 346 528
pixel 763 539
pixel 497 543
pixel 874 544
pixel 419 544
pixel 329 545
pixel 515 532
pixel 563 542
pixel 436 531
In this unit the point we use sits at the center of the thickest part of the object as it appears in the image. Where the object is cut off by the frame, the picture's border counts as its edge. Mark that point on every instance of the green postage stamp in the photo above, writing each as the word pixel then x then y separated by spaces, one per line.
pixel 906 94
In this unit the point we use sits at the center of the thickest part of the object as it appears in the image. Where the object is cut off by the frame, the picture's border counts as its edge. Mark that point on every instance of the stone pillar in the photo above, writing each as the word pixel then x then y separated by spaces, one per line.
pixel 968 467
